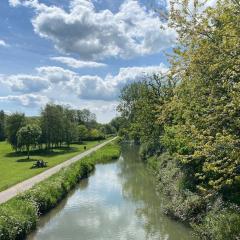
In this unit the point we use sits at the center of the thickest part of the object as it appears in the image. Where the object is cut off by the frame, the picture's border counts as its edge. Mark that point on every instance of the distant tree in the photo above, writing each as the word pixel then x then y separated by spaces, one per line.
pixel 28 136
pixel 83 133
pixel 96 134
pixel 70 131
pixel 52 125
pixel 108 129
pixel 117 123
pixel 13 123
pixel 2 126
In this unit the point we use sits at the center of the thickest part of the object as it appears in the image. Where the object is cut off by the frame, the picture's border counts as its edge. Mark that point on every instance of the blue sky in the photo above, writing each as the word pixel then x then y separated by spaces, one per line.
pixel 77 52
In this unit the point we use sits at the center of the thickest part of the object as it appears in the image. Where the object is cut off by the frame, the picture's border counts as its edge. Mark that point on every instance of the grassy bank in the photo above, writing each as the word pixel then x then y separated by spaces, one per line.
pixel 211 217
pixel 15 168
pixel 19 216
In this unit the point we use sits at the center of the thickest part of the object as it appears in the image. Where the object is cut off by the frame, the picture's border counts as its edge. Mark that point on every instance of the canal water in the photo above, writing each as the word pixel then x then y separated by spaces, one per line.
pixel 117 202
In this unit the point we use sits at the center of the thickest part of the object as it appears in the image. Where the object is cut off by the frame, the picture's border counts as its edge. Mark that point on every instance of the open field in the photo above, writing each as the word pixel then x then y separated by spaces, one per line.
pixel 14 167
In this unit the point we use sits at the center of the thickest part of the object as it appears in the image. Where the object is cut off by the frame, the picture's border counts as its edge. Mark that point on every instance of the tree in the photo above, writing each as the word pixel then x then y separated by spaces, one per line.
pixel 138 107
pixel 28 136
pixel 52 125
pixel 13 123
pixel 83 133
pixel 96 134
pixel 2 126
pixel 69 126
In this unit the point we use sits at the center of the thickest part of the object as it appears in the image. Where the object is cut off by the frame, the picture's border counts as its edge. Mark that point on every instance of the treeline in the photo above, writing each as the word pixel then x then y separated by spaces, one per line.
pixel 56 126
pixel 188 120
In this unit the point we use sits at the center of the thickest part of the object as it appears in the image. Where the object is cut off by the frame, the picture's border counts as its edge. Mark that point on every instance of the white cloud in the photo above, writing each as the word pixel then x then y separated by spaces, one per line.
pixel 3 43
pixel 132 31
pixel 14 3
pixel 25 83
pixel 108 88
pixel 74 63
pixel 56 74
pixel 26 100
pixel 85 87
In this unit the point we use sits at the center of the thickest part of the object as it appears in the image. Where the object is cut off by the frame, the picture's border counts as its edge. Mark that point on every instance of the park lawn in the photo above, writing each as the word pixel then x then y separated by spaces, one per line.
pixel 15 168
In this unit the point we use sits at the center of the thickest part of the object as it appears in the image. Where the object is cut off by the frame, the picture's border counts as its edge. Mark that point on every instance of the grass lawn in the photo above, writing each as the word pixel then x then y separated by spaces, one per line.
pixel 15 168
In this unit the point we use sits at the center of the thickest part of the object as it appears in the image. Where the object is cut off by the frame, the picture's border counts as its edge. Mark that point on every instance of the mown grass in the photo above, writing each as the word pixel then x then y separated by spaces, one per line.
pixel 15 168
pixel 19 215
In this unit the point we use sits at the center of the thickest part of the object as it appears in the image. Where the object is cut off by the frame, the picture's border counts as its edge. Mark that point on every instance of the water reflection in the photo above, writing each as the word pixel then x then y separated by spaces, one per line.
pixel 117 202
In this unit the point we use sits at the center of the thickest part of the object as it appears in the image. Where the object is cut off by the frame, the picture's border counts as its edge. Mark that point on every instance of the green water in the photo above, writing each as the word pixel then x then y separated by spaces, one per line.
pixel 117 202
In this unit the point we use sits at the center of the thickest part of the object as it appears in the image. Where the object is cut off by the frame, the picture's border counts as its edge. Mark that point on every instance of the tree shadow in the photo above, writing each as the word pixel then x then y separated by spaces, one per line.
pixel 44 152
pixel 26 160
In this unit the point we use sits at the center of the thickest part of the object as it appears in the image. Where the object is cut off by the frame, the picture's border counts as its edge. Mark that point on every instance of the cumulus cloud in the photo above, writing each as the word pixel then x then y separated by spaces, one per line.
pixel 26 100
pixel 56 74
pixel 85 87
pixel 108 88
pixel 74 63
pixel 132 31
pixel 3 43
pixel 25 83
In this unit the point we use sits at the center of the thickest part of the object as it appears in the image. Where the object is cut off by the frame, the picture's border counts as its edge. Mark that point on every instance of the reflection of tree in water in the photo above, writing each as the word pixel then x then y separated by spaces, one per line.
pixel 139 187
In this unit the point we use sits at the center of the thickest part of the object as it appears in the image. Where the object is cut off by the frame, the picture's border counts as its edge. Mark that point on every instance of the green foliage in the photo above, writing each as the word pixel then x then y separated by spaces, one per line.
pixel 28 136
pixel 196 120
pixel 14 122
pixel 220 223
pixel 83 132
pixel 2 125
pixel 19 215
pixel 96 134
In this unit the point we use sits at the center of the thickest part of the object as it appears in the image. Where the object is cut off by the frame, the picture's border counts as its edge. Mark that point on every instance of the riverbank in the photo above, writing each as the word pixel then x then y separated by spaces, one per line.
pixel 19 216
pixel 210 217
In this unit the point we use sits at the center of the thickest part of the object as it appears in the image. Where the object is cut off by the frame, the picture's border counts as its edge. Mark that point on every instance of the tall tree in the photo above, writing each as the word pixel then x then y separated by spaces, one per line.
pixel 13 123
pixel 2 126
pixel 28 136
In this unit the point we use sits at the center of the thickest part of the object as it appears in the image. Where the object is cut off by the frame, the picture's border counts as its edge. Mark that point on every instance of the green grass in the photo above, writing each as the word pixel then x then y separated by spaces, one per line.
pixel 19 216
pixel 15 168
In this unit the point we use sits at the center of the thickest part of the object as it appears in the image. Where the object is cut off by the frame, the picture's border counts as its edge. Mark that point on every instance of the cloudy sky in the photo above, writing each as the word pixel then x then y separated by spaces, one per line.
pixel 77 52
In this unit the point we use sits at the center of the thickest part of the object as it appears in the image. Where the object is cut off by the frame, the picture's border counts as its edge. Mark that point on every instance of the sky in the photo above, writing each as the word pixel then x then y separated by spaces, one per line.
pixel 78 52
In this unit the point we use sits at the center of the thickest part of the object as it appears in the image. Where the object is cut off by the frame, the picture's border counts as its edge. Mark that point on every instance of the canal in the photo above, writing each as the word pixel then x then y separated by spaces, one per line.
pixel 117 202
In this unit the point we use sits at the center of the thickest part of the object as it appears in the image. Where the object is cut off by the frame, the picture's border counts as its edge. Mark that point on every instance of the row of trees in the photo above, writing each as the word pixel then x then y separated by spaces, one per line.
pixel 193 111
pixel 56 126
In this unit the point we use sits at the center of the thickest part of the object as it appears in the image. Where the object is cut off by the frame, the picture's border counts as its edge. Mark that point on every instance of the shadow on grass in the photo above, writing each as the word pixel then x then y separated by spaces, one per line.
pixel 43 152
pixel 26 160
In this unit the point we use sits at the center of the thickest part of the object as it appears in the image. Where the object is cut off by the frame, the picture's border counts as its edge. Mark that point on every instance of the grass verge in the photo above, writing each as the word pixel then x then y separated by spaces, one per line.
pixel 19 216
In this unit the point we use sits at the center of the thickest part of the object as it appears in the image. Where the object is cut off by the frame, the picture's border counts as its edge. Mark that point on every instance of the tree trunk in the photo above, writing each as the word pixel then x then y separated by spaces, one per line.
pixel 28 153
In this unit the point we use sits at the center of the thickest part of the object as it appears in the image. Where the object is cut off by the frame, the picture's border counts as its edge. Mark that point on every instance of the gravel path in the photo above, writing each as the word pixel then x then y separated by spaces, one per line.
pixel 29 183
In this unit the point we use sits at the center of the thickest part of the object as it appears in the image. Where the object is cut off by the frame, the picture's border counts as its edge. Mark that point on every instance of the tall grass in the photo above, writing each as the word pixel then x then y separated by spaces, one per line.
pixel 19 216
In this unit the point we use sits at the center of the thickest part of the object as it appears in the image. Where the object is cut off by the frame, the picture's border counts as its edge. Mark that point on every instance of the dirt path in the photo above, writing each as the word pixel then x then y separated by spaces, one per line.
pixel 29 183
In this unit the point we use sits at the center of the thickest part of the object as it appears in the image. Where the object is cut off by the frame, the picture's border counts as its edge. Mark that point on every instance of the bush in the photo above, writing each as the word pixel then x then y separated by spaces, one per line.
pixel 19 215
pixel 220 223
pixel 179 202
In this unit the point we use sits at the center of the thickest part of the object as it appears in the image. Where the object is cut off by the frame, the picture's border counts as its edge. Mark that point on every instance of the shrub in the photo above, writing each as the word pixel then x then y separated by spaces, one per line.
pixel 221 223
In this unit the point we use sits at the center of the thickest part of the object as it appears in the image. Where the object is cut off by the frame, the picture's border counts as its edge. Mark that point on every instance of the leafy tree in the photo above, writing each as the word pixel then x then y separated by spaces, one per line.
pixel 2 125
pixel 83 133
pixel 96 134
pixel 28 136
pixel 13 123
pixel 52 125
pixel 69 127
